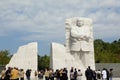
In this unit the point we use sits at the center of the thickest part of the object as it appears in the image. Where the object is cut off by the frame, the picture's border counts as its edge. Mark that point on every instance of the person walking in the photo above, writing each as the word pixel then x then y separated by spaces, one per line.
pixel 14 74
pixel 71 74
pixel 104 74
pixel 75 74
pixel 51 74
pixel 7 73
pixel 79 75
pixel 47 73
pixel 28 74
pixel 89 73
pixel 107 74
pixel 3 74
pixel 21 74
pixel 110 74
pixel 98 74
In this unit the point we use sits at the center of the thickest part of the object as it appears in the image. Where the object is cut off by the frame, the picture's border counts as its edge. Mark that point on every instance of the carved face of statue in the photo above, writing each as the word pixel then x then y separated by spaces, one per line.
pixel 79 23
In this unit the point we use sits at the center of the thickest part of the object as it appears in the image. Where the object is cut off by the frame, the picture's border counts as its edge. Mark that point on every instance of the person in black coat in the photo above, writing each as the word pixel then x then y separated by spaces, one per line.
pixel 107 74
pixel 28 74
pixel 89 73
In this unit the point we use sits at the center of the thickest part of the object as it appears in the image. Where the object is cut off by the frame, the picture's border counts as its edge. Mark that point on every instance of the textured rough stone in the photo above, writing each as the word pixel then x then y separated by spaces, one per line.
pixel 78 51
pixel 25 58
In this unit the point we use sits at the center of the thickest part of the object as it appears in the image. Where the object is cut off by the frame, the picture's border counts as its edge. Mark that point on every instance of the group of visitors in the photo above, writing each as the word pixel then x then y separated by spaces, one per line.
pixel 103 74
pixel 74 74
pixel 62 74
pixel 12 74
pixel 59 74
pixel 107 74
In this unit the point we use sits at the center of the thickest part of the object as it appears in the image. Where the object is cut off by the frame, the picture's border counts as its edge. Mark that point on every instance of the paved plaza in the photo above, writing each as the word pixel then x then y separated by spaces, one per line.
pixel 44 79
pixel 116 78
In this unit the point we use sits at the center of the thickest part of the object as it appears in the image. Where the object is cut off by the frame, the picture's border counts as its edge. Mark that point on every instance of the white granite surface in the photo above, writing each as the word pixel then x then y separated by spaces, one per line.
pixel 25 58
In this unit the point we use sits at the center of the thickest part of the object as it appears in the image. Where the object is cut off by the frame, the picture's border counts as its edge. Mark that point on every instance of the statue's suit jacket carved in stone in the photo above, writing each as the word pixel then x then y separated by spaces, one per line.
pixel 79 37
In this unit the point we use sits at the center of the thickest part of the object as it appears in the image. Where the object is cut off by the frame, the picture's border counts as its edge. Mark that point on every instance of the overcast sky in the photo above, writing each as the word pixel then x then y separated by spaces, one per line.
pixel 43 21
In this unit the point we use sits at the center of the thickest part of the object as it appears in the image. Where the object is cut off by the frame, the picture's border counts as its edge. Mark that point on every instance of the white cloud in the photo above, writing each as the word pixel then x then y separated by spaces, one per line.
pixel 46 16
pixel 110 3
